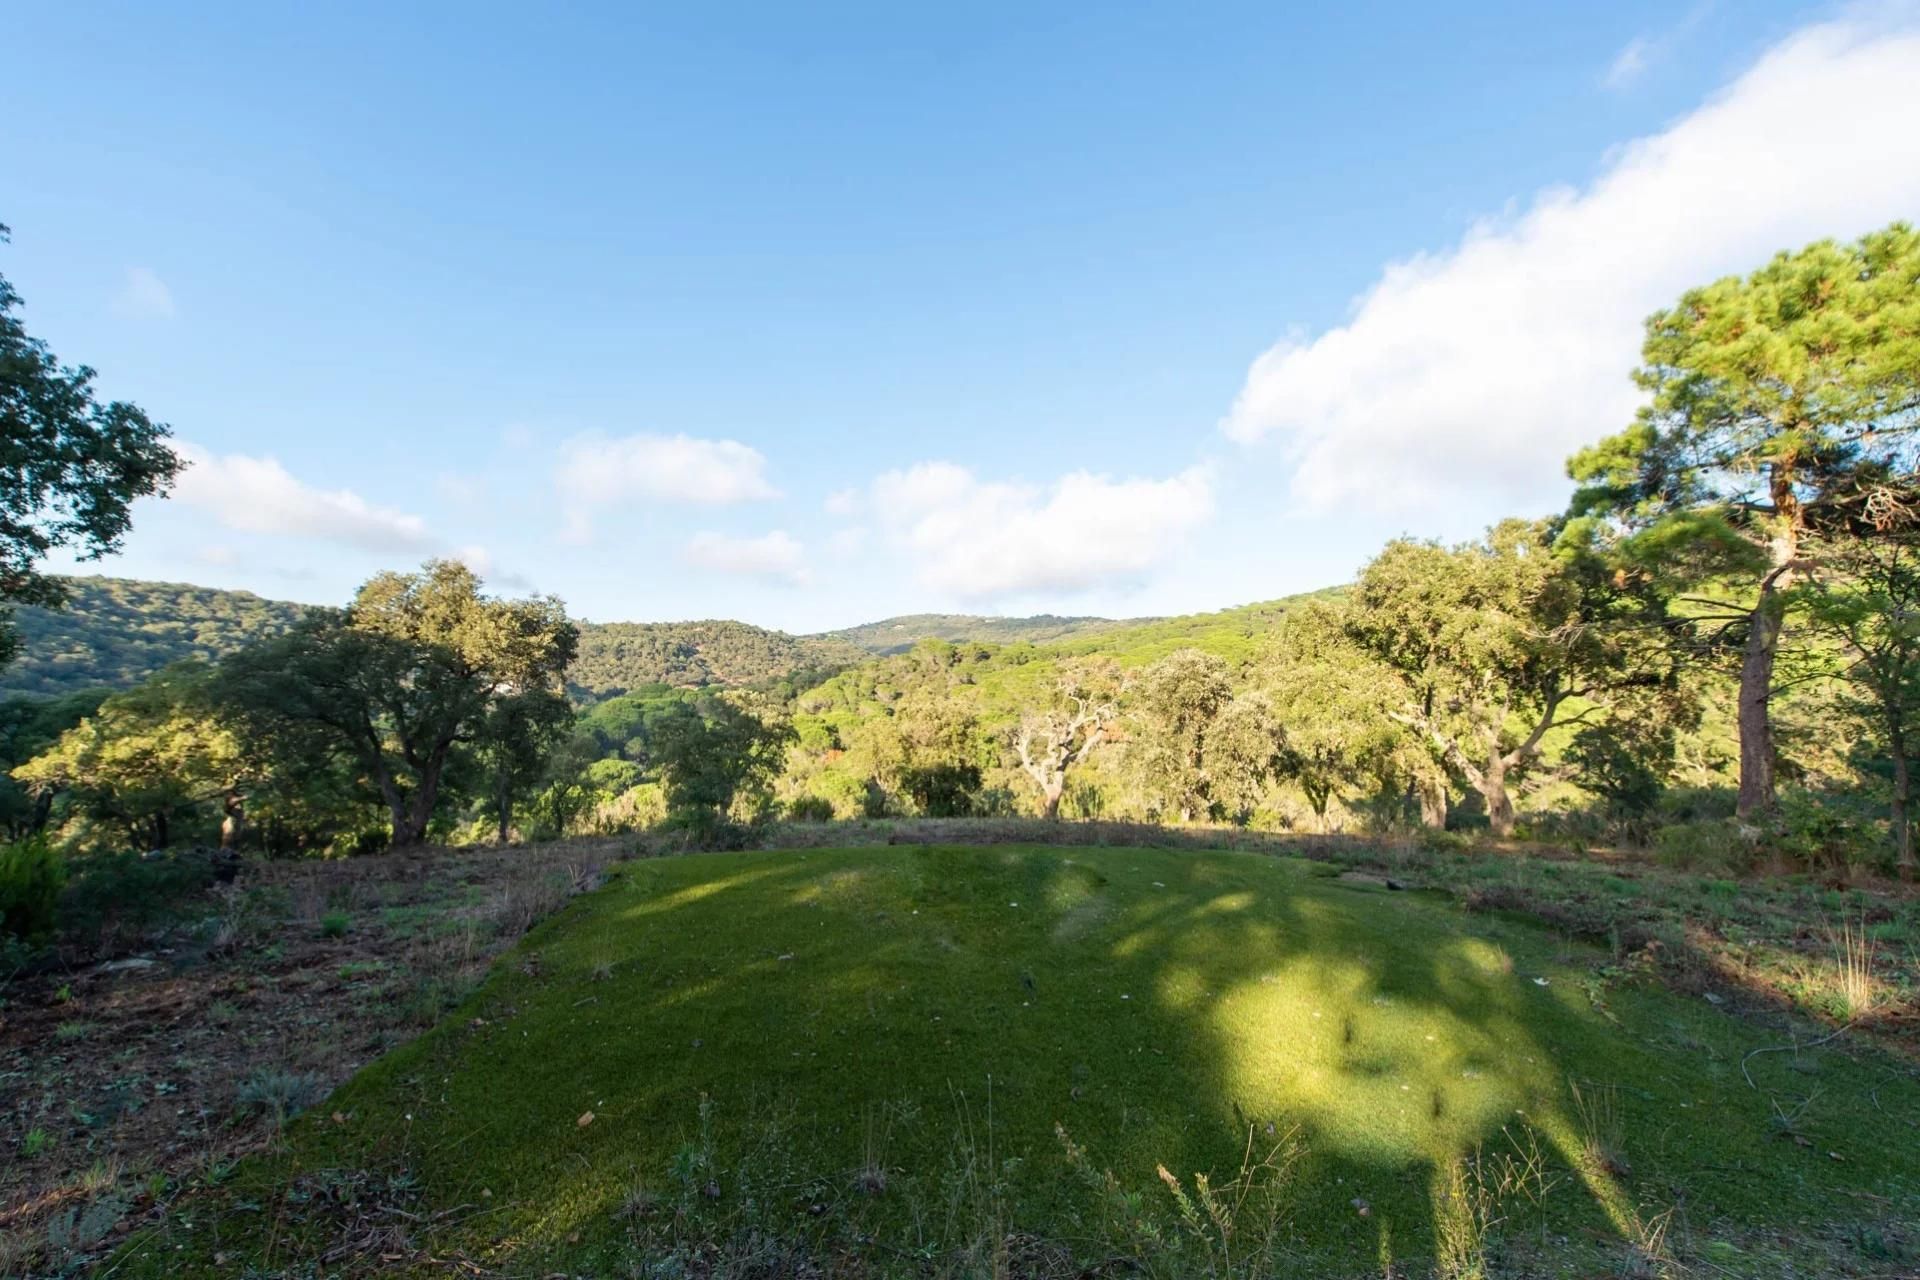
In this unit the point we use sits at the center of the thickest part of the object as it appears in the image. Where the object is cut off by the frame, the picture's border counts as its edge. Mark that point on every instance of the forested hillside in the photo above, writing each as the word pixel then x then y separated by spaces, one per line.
pixel 116 632
pixel 897 635
pixel 616 657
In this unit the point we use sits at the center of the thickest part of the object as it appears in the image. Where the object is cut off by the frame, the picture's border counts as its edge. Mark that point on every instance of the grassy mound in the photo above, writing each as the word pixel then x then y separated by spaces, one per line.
pixel 1020 1059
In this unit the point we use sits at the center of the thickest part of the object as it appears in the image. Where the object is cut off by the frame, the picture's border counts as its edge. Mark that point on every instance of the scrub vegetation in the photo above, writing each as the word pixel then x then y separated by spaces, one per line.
pixel 937 1059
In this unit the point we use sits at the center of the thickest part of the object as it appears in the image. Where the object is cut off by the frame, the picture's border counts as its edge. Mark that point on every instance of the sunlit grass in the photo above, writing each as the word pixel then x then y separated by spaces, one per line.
pixel 1855 982
pixel 903 1046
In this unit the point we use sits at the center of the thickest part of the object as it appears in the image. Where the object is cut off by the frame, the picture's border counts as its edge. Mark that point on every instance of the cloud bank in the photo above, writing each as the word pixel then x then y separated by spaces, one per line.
pixel 258 495
pixel 980 539
pixel 595 472
pixel 772 557
pixel 1475 372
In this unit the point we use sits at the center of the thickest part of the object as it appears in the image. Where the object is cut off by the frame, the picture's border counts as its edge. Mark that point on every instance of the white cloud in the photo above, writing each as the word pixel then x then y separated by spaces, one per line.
pixel 846 543
pixel 1639 54
pixel 1629 64
pixel 842 502
pixel 771 557
pixel 596 472
pixel 481 561
pixel 979 539
pixel 144 296
pixel 1475 372
pixel 258 495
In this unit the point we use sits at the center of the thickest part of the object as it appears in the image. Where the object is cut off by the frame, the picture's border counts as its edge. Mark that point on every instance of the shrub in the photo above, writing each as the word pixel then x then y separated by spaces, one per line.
pixel 115 896
pixel 278 1095
pixel 1702 846
pixel 32 873
pixel 810 809
pixel 1829 829
pixel 335 924
pixel 1435 840
pixel 704 829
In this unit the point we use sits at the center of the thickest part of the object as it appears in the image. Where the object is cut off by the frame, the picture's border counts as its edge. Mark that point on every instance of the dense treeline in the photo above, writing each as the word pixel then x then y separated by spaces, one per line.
pixel 115 632
pixel 616 657
pixel 897 635
pixel 1713 651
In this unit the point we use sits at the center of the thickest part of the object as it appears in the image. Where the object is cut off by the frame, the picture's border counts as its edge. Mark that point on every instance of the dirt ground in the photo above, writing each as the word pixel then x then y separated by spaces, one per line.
pixel 124 1081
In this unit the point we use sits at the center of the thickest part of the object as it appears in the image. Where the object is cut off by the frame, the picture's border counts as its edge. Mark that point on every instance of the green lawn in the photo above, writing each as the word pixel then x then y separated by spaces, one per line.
pixel 864 1055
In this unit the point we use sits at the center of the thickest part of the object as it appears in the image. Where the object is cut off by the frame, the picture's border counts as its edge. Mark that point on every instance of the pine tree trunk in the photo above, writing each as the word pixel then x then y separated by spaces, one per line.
pixel 1763 647
pixel 1755 710
pixel 1902 801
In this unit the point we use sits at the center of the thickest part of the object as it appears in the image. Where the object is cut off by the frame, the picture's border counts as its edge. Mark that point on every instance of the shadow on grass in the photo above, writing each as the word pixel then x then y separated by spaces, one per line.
pixel 844 1046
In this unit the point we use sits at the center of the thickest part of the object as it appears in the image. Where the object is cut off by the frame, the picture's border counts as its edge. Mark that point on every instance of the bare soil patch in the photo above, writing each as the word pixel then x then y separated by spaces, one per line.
pixel 127 1079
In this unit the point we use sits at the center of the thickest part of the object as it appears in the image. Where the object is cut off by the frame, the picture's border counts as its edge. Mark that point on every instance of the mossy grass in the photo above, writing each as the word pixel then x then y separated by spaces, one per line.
pixel 881 1057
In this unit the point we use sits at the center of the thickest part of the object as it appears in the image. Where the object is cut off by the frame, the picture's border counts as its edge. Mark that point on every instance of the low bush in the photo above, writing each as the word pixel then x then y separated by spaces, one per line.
pixel 1710 845
pixel 113 898
pixel 32 873
pixel 1830 829
pixel 810 809
pixel 1435 840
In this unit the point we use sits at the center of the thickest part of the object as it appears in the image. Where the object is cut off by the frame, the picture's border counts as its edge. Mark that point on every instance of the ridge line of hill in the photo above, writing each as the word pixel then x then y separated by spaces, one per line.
pixel 117 631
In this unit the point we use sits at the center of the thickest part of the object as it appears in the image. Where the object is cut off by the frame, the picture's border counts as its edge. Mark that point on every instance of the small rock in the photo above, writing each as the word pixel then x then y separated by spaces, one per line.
pixel 586 1118
pixel 1361 1207
pixel 130 963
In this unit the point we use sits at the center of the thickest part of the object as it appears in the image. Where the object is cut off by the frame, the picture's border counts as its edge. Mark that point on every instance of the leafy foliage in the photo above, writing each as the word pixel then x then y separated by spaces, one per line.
pixel 621 657
pixel 146 758
pixel 32 874
pixel 900 634
pixel 716 761
pixel 1782 406
pixel 116 632
pixel 70 466
pixel 412 670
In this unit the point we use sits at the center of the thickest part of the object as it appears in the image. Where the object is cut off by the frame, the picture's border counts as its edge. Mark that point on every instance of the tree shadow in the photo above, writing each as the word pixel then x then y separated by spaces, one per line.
pixel 829 1012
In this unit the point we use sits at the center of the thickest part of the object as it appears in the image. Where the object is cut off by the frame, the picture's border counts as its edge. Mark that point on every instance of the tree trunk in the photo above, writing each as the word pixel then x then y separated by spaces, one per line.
pixel 1433 802
pixel 1492 787
pixel 1902 800
pixel 233 814
pixel 161 832
pixel 1317 798
pixel 1050 798
pixel 506 814
pixel 1763 646
pixel 1755 702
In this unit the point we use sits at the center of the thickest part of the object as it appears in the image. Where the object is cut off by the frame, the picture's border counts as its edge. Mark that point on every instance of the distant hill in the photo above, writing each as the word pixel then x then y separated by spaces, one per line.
pixel 118 631
pixel 897 635
pixel 618 656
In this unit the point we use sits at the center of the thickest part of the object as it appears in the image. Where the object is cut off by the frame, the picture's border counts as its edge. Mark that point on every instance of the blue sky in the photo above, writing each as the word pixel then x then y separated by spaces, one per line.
pixel 812 314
